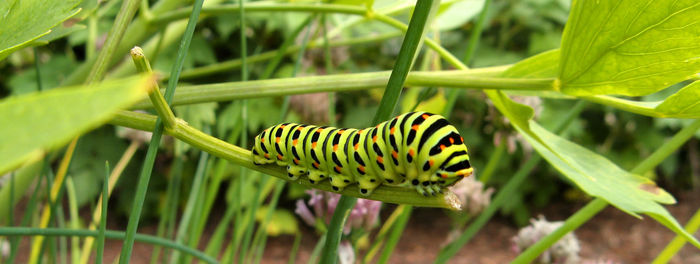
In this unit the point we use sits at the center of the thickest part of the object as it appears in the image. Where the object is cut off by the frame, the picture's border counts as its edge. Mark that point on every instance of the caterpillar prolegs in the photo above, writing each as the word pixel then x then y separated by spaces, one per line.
pixel 418 150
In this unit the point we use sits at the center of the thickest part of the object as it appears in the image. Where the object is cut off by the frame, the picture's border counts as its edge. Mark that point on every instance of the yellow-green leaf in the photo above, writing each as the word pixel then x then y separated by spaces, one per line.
pixel 24 21
pixel 37 122
pixel 629 47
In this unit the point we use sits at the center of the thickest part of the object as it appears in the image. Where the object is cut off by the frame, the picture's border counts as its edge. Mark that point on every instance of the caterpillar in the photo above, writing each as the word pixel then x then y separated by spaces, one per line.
pixel 419 150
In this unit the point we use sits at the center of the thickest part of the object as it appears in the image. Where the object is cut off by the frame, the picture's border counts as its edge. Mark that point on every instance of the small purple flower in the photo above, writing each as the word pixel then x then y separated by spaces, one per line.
pixel 364 215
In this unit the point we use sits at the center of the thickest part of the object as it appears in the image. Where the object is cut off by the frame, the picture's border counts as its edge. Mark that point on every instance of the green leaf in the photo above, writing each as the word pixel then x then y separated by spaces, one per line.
pixel 27 20
pixel 629 47
pixel 453 15
pixel 543 65
pixel 44 121
pixel 683 104
pixel 591 172
pixel 282 222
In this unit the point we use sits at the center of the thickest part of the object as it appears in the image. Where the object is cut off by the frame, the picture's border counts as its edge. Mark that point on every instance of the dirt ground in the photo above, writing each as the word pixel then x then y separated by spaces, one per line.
pixel 611 235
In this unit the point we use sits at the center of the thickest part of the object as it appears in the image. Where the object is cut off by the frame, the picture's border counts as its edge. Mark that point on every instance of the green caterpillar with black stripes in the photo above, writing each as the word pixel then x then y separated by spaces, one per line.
pixel 417 150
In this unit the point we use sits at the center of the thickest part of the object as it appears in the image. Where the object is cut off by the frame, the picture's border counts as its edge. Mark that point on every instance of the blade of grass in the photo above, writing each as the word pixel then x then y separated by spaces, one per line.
pixel 147 168
pixel 188 215
pixel 295 248
pixel 97 213
pixel 381 235
pixel 395 235
pixel 103 216
pixel 26 218
pixel 317 249
pixel 53 196
pixel 111 234
pixel 407 53
pixel 170 210
pixel 75 219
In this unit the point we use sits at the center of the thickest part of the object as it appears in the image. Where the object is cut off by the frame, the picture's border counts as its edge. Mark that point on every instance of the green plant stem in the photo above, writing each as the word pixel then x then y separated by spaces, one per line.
pixel 126 13
pixel 157 99
pixel 187 216
pixel 677 243
pixel 295 248
pixel 404 62
pixel 469 79
pixel 395 235
pixel 494 161
pixel 111 234
pixel 74 219
pixel 260 7
pixel 505 194
pixel 235 63
pixel 335 229
pixel 595 206
pixel 103 217
pixel 147 168
pixel 386 227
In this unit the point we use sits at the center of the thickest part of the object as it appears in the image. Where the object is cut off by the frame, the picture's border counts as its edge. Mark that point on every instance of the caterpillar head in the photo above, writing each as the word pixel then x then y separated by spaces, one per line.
pixel 261 153
pixel 455 170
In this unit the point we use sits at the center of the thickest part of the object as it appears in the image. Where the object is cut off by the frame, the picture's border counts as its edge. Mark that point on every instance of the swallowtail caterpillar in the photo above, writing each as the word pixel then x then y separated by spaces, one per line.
pixel 417 150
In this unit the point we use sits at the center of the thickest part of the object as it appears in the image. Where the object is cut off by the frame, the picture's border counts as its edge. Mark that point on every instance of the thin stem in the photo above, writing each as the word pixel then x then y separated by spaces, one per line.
pixel 395 235
pixel 335 229
pixel 678 242
pixel 147 168
pixel 126 13
pixel 111 234
pixel 103 216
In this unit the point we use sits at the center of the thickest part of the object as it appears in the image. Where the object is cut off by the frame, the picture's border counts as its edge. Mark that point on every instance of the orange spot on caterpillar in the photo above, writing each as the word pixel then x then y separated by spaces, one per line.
pixel 415 127
pixel 395 154
pixel 392 130
pixel 361 168
pixel 410 152
pixel 461 138
pixel 316 165
pixel 444 175
pixel 313 145
pixel 357 146
pixel 452 140
pixel 335 147
pixel 296 161
pixel 277 139
pixel 442 147
pixel 279 157
pixel 431 162
pixel 374 138
pixel 299 128
pixel 425 116
pixel 379 159
pixel 340 132
pixel 267 156
pixel 294 142
pixel 338 168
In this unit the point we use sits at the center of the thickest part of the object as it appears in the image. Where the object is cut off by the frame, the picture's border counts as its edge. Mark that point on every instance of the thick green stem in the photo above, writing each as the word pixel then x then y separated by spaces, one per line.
pixel 157 99
pixel 335 230
pixel 678 242
pixel 243 157
pixel 469 79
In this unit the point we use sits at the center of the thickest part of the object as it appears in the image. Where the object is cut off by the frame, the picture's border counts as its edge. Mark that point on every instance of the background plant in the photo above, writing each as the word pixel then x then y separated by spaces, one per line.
pixel 637 72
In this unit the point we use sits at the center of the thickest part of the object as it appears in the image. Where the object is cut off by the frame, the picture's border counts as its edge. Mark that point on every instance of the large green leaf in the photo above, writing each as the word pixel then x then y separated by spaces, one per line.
pixel 683 104
pixel 591 172
pixel 38 122
pixel 629 47
pixel 24 21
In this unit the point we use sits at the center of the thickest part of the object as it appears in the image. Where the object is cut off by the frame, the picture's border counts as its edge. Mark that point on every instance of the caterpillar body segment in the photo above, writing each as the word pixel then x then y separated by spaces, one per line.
pixel 418 150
